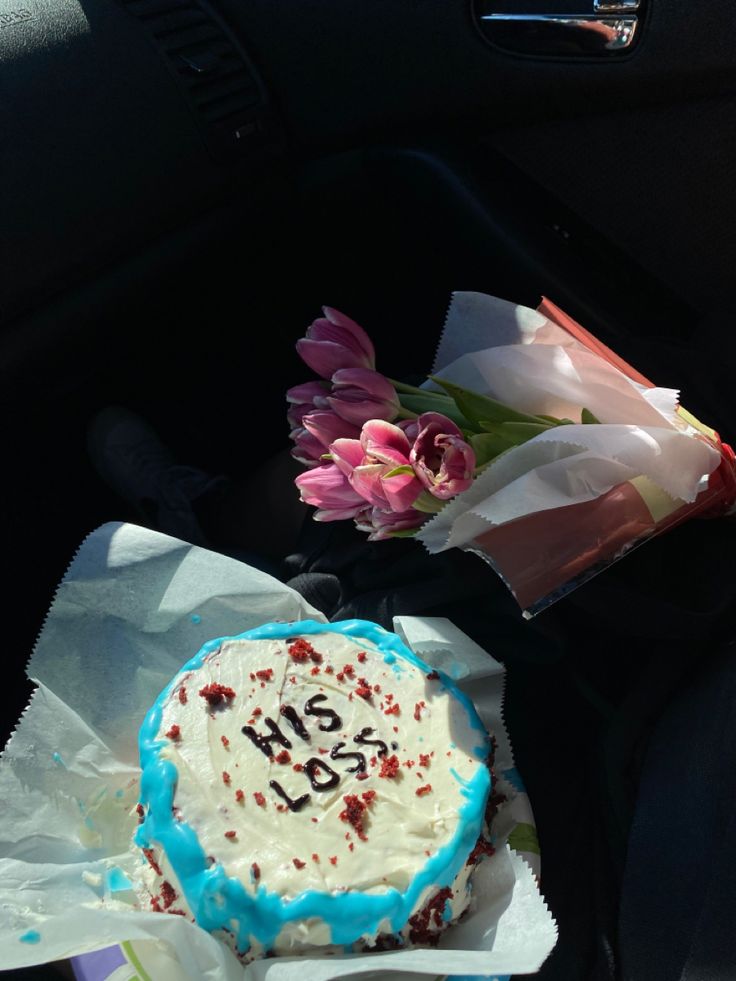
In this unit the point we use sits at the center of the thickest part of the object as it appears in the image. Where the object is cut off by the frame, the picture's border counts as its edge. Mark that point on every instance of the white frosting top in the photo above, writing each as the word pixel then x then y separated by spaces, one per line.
pixel 319 695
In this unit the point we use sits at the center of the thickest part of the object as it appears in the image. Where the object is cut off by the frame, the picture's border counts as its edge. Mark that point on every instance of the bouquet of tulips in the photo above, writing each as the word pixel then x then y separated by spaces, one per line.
pixel 531 444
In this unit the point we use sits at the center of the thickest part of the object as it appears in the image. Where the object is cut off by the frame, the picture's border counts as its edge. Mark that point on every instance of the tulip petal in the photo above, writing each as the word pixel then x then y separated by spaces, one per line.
pixel 306 393
pixel 371 382
pixel 347 454
pixel 326 487
pixel 327 427
pixel 362 339
pixel 366 481
pixel 327 357
pixel 353 406
pixel 346 515
pixel 440 423
pixel 386 438
pixel 401 491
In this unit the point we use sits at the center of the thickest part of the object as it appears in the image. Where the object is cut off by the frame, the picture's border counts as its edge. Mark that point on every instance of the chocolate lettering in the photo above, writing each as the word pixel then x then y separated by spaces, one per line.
pixel 313 766
pixel 363 740
pixel 264 742
pixel 359 767
pixel 327 713
pixel 293 805
pixel 292 717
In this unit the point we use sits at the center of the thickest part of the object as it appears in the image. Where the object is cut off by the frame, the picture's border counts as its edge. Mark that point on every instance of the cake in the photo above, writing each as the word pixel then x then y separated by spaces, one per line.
pixel 311 788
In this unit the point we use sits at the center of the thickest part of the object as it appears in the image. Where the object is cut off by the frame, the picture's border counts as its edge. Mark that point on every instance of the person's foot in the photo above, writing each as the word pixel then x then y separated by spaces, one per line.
pixel 131 458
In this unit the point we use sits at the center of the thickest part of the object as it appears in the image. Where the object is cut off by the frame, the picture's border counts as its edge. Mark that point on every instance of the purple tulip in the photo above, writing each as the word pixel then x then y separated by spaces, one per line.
pixel 381 525
pixel 328 489
pixel 329 426
pixel 443 461
pixel 307 449
pixel 305 398
pixel 359 394
pixel 313 437
pixel 368 462
pixel 333 342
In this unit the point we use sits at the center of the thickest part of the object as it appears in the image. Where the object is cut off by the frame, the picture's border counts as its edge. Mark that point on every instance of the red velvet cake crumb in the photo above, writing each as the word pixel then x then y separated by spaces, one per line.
pixel 300 650
pixel 265 674
pixel 260 799
pixel 216 693
pixel 174 733
pixel 225 741
pixel 168 894
pixel 283 757
pixel 353 814
pixel 421 923
pixel 225 777
pixel 333 859
pixel 230 834
pixel 421 791
pixel 148 852
pixel 183 695
pixel 240 796
pixel 298 864
pixel 482 847
pixel 433 676
pixel 255 869
pixel 389 767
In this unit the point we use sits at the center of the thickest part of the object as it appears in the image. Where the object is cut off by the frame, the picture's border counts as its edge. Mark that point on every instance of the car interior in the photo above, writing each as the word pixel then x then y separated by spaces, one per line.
pixel 186 182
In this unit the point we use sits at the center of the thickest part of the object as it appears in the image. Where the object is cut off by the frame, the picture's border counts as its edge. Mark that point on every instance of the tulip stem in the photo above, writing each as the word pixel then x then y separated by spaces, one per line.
pixel 413 390
pixel 406 413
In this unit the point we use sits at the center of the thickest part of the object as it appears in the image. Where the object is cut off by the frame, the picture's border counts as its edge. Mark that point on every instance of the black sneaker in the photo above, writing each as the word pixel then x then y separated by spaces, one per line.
pixel 130 457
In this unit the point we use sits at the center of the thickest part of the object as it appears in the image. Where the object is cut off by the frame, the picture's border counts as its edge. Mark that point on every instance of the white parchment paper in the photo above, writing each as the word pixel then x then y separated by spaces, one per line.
pixel 521 358
pixel 132 608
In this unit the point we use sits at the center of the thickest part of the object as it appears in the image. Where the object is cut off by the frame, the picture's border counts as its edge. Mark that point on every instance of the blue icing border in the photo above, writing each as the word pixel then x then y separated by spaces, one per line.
pixel 219 901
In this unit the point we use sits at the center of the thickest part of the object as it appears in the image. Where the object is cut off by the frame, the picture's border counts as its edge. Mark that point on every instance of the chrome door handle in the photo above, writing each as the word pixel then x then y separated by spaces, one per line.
pixel 609 28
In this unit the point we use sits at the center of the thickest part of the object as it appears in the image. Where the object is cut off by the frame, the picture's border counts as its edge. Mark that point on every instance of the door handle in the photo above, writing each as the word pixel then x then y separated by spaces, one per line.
pixel 607 29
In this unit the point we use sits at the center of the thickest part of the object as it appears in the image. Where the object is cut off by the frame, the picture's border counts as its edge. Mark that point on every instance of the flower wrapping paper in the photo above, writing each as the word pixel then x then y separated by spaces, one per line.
pixel 133 606
pixel 554 511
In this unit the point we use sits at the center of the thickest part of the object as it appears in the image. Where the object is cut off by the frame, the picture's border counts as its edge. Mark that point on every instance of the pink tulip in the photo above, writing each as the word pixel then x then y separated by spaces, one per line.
pixel 443 461
pixel 333 342
pixel 367 463
pixel 328 489
pixel 359 394
pixel 381 525
pixel 305 398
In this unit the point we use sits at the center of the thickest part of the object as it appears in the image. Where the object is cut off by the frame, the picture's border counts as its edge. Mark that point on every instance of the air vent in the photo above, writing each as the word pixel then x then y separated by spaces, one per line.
pixel 221 85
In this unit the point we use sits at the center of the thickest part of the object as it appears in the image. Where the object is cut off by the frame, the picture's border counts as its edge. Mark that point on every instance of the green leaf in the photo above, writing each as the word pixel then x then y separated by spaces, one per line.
pixel 487 446
pixel 428 504
pixel 476 407
pixel 397 471
pixel 435 402
pixel 515 433
pixel 588 419
pixel 523 838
